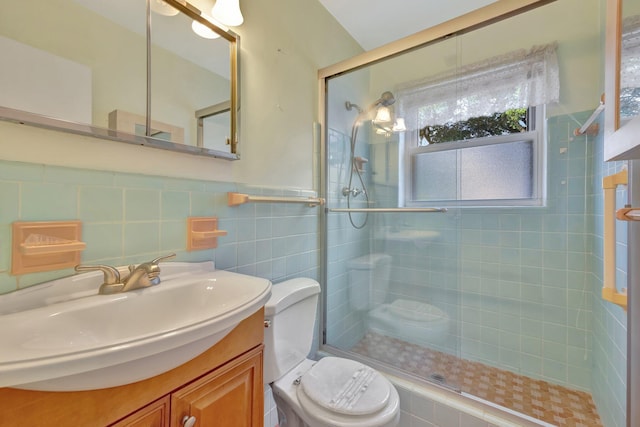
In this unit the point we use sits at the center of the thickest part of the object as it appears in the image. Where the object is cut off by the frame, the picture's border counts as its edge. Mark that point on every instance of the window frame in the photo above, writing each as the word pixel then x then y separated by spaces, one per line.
pixel 410 148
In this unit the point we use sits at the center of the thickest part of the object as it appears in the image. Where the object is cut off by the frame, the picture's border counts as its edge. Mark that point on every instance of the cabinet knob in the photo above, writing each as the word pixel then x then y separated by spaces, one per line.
pixel 188 421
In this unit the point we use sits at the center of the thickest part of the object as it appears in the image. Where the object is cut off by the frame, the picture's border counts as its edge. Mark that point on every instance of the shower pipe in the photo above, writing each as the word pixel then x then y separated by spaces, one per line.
pixel 386 99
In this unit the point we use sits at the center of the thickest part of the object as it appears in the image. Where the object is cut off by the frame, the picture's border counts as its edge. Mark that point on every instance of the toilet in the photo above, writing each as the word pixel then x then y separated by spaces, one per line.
pixel 331 392
pixel 409 320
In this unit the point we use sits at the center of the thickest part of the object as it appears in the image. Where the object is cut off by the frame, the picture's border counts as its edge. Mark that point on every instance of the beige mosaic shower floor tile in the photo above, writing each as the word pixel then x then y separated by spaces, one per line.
pixel 554 404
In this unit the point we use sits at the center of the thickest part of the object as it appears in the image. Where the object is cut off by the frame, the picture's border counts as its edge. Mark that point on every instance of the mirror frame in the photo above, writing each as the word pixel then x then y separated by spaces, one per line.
pixel 38 120
pixel 621 142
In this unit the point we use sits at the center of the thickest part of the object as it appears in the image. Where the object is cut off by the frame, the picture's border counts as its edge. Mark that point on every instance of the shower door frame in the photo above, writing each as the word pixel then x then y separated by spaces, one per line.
pixel 479 18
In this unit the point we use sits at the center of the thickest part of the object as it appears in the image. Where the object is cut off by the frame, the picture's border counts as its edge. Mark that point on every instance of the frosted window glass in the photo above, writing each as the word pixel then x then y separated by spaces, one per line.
pixel 500 171
pixel 488 172
pixel 435 176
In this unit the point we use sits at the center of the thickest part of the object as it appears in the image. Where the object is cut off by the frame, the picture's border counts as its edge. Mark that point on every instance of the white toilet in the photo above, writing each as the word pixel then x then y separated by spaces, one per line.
pixel 412 321
pixel 332 392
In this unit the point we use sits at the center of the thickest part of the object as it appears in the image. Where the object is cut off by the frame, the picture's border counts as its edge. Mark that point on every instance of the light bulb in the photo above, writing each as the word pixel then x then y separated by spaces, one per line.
pixel 228 12
pixel 204 31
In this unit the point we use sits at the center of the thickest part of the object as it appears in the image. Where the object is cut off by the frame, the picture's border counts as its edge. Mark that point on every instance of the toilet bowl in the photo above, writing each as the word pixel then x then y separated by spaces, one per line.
pixel 412 321
pixel 331 392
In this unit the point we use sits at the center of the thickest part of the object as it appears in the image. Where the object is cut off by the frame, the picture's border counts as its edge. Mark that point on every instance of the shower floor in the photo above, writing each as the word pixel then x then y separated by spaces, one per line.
pixel 539 399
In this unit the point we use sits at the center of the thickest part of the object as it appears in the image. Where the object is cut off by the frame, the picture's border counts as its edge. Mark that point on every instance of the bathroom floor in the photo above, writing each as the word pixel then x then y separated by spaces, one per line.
pixel 548 402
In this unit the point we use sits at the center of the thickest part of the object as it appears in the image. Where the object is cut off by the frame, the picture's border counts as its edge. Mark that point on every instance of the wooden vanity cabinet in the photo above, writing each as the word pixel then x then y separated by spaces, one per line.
pixel 222 387
pixel 155 414
pixel 230 396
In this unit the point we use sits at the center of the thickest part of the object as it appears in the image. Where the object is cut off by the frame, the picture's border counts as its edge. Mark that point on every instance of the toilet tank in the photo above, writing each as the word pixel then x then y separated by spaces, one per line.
pixel 291 315
pixel 369 280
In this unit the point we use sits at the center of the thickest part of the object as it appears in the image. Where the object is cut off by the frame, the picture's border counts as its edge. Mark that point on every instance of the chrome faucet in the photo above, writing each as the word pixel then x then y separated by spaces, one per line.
pixel 142 276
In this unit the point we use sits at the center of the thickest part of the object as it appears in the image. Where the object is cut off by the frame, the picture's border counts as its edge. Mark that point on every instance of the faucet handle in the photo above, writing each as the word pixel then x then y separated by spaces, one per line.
pixel 111 274
pixel 161 258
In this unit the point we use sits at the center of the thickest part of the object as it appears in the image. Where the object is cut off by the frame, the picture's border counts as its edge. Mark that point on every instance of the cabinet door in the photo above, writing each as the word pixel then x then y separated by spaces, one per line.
pixel 230 396
pixel 155 414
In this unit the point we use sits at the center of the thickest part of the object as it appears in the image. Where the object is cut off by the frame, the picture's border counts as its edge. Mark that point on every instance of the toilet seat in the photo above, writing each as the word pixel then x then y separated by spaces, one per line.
pixel 345 393
pixel 345 386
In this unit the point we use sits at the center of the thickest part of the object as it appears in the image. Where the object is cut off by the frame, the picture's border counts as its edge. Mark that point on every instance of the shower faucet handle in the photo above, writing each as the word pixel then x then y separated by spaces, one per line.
pixel 354 192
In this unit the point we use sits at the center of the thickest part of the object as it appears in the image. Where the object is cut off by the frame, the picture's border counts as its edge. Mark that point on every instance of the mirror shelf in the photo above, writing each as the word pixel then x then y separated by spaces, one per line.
pixel 50 123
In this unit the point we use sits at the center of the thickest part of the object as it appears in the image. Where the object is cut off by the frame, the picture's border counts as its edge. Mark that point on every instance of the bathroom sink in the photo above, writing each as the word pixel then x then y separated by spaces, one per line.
pixel 63 336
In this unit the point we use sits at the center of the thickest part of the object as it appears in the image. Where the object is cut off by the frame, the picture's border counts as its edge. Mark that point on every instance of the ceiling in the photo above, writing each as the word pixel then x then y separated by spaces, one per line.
pixel 373 23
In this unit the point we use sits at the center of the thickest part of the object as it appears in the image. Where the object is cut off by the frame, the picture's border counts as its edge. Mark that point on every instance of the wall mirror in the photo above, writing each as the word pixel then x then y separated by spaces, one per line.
pixel 622 80
pixel 133 71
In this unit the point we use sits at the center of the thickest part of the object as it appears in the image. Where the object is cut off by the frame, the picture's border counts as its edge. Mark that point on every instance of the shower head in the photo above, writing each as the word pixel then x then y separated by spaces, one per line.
pixel 386 99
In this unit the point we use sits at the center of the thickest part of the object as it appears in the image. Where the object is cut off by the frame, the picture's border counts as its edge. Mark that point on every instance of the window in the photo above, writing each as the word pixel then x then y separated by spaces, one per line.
pixel 477 138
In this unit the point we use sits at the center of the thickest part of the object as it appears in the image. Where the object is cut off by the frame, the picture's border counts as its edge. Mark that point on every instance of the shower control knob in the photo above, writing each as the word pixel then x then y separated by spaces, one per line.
pixel 346 191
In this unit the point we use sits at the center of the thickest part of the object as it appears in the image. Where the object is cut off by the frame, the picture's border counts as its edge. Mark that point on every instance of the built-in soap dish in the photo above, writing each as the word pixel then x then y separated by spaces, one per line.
pixel 45 245
pixel 203 233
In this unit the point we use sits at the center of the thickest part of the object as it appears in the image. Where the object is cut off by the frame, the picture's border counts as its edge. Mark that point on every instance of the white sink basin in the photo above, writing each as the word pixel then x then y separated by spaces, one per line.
pixel 63 336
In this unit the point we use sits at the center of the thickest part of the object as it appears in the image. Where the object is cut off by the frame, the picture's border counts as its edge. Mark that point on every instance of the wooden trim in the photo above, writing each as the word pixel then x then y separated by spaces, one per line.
pixel 106 406
pixel 613 43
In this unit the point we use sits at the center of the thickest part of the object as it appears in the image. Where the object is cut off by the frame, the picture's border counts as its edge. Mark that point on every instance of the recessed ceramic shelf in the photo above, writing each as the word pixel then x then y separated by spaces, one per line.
pixel 45 245
pixel 203 233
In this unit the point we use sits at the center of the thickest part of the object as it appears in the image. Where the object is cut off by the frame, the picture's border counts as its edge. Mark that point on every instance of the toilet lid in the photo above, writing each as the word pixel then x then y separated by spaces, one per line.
pixel 345 386
pixel 415 310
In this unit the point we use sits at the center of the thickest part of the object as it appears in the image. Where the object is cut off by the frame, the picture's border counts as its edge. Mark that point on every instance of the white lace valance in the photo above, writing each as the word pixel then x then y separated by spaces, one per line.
pixel 514 80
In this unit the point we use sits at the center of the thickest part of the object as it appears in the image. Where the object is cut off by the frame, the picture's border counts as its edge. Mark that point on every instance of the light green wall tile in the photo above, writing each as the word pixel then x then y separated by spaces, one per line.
pixel 10 197
pixel 555 371
pixel 175 205
pixel 19 172
pixel 104 241
pixel 173 235
pixel 141 205
pixel 177 184
pixel 7 283
pixel 77 176
pixel 202 204
pixel 141 238
pixel 138 181
pixel 48 202
pixel 100 204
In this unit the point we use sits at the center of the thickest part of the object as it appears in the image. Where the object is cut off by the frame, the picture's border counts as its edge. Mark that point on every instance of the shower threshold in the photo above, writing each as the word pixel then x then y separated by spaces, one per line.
pixel 541 400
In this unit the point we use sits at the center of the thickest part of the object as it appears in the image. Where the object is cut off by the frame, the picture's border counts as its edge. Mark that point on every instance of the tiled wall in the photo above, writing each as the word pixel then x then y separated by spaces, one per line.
pixel 131 218
pixel 521 284
pixel 609 321
pixel 344 325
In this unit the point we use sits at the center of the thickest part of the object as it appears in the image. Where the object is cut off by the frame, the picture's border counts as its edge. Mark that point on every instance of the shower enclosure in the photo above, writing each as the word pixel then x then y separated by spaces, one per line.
pixel 463 227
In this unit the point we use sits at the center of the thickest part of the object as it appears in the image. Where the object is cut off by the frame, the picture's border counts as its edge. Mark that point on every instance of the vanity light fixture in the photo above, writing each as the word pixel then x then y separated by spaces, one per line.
pixel 162 8
pixel 228 12
pixel 204 31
